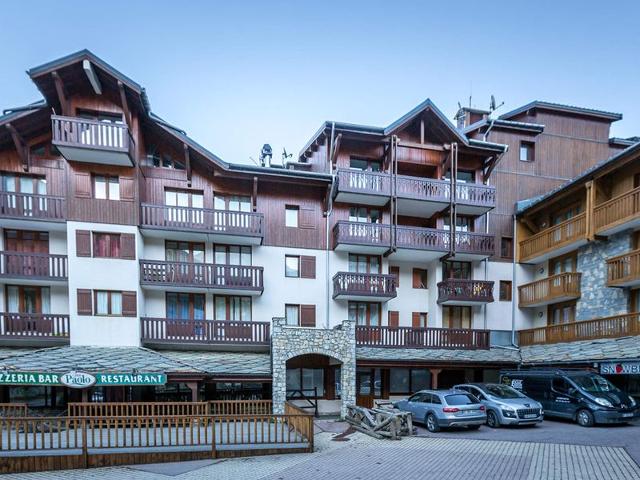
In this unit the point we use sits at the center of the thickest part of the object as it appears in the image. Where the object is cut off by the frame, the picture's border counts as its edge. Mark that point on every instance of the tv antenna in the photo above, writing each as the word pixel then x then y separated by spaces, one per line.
pixel 492 104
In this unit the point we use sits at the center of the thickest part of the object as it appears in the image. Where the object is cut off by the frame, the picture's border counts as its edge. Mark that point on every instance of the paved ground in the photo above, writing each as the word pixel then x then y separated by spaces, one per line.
pixel 529 454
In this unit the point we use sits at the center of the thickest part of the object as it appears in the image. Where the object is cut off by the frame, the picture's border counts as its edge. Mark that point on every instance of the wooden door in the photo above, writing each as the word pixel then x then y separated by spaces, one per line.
pixel 24 241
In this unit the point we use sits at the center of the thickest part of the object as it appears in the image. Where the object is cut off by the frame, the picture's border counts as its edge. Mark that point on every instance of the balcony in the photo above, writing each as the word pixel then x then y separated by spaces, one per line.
pixel 412 243
pixel 28 210
pixel 465 292
pixel 183 276
pixel 364 286
pixel 408 337
pixel 201 224
pixel 554 241
pixel 33 329
pixel 32 268
pixel 204 334
pixel 93 141
pixel 624 270
pixel 417 196
pixel 619 213
pixel 550 290
pixel 608 327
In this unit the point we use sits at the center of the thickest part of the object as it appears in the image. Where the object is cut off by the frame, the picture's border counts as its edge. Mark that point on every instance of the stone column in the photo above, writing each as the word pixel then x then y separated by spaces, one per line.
pixel 278 367
pixel 348 368
pixel 434 377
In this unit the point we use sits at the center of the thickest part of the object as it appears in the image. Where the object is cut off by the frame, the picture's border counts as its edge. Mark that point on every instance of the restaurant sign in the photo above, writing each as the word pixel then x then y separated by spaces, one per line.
pixel 620 368
pixel 78 379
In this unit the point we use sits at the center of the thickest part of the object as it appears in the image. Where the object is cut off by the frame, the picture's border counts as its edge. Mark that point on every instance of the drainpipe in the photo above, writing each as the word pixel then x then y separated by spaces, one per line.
pixel 327 222
pixel 513 286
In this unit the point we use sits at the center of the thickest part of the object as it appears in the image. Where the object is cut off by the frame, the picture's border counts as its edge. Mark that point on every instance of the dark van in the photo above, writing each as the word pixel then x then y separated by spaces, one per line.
pixel 579 395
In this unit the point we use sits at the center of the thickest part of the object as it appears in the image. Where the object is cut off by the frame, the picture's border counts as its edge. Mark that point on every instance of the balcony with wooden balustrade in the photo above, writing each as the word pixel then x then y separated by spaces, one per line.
pixel 93 141
pixel 32 268
pixel 409 337
pixel 619 213
pixel 362 187
pixel 609 327
pixel 185 276
pixel 547 291
pixel 624 270
pixel 455 291
pixel 364 286
pixel 554 241
pixel 202 224
pixel 30 210
pixel 205 334
pixel 33 329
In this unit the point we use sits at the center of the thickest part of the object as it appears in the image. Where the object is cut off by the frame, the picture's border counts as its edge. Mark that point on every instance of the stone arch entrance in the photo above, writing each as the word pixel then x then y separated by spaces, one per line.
pixel 337 343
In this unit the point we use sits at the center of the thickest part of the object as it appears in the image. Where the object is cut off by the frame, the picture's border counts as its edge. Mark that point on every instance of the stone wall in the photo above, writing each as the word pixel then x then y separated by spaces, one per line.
pixel 597 299
pixel 288 342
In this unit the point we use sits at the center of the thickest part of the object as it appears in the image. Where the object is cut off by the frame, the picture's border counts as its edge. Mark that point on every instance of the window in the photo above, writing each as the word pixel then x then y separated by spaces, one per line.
pixel 564 263
pixel 365 164
pixel 291 216
pixel 232 255
pixel 419 319
pixel 232 308
pixel 27 299
pixel 291 266
pixel 232 203
pixel 365 313
pixel 505 290
pixel 526 151
pixel 456 270
pixel 106 245
pixel 408 380
pixel 395 271
pixel 185 306
pixel 106 187
pixel 188 252
pixel 292 314
pixel 456 317
pixel 420 278
pixel 309 380
pixel 561 313
pixel 365 215
pixel 163 160
pixel 108 302
pixel 506 247
pixel 463 224
pixel 364 263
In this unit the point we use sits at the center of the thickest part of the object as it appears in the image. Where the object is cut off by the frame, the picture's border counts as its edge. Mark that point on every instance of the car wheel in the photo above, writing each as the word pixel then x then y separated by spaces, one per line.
pixel 473 427
pixel 585 418
pixel 492 419
pixel 432 423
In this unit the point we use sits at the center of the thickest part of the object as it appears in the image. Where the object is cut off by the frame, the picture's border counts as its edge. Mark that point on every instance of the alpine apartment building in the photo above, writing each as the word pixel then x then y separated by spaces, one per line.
pixel 379 262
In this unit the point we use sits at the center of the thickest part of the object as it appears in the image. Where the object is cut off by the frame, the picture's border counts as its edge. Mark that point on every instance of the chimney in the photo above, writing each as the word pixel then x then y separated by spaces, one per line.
pixel 467 116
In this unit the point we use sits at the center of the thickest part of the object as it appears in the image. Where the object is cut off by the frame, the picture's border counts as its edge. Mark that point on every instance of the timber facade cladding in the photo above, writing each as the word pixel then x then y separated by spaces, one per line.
pixel 336 234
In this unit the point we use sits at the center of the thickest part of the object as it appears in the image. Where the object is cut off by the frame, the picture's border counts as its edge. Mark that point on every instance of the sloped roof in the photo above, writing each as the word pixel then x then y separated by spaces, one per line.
pixel 559 107
pixel 225 363
pixel 507 124
pixel 585 351
pixel 493 355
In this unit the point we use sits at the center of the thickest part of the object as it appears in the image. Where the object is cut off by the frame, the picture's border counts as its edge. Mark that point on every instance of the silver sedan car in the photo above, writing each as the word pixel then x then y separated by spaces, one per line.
pixel 505 405
pixel 444 408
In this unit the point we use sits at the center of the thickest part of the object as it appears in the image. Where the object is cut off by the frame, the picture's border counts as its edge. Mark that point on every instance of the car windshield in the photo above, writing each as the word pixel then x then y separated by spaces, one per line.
pixel 594 384
pixel 502 391
pixel 460 399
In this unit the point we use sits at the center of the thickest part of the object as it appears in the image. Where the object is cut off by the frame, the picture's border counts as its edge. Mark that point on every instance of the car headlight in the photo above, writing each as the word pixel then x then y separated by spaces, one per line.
pixel 633 402
pixel 508 412
pixel 604 402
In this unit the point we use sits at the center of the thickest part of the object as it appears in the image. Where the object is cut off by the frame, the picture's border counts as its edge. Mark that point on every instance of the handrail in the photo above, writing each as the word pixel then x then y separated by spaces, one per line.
pixel 31 205
pixel 562 285
pixel 33 325
pixel 553 237
pixel 623 268
pixel 617 209
pixel 369 284
pixel 409 337
pixel 179 331
pixel 44 266
pixel 462 290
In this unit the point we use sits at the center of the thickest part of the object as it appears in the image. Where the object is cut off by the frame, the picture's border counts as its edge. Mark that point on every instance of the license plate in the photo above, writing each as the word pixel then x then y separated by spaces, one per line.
pixel 627 415
pixel 530 415
pixel 471 412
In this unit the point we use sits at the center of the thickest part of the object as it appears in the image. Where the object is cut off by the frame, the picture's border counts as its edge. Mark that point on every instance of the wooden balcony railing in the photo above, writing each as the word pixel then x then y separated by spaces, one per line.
pixel 557 288
pixel 203 220
pixel 623 269
pixel 92 134
pixel 475 243
pixel 166 330
pixel 617 211
pixel 476 194
pixel 608 327
pixel 422 238
pixel 423 188
pixel 466 291
pixel 35 266
pixel 358 181
pixel 554 237
pixel 364 284
pixel 408 337
pixel 357 233
pixel 206 275
pixel 34 326
pixel 32 206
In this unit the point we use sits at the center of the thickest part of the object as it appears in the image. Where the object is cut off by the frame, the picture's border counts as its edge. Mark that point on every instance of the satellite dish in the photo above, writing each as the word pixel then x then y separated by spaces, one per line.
pixel 492 104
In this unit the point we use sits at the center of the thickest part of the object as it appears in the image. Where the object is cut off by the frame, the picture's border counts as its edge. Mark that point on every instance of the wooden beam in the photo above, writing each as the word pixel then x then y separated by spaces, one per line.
pixel 21 147
pixel 423 146
pixel 92 77
pixel 62 98
pixel 446 165
pixel 187 162
pixel 125 104
pixel 530 225
pixel 254 198
pixel 336 148
pixel 422 130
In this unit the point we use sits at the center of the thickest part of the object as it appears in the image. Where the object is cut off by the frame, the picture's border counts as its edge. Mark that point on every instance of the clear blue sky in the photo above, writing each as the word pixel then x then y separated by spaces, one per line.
pixel 238 74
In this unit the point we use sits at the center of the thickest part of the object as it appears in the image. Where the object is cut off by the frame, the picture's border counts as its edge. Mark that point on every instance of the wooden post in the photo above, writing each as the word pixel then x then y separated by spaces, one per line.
pixel 434 377
pixel 85 450
pixel 214 451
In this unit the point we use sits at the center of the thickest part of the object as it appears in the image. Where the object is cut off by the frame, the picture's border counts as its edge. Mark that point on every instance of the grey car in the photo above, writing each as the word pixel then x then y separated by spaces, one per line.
pixel 444 408
pixel 505 405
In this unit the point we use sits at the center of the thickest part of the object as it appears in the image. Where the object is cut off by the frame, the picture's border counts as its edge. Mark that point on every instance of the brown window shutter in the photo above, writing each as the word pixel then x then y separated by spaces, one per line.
pixel 307 266
pixel 396 272
pixel 127 188
pixel 417 274
pixel 83 185
pixel 306 217
pixel 83 243
pixel 84 302
pixel 394 318
pixel 415 319
pixel 307 315
pixel 128 246
pixel 129 304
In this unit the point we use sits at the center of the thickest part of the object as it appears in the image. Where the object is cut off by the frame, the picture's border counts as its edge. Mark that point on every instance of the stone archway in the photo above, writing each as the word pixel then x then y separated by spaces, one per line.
pixel 288 342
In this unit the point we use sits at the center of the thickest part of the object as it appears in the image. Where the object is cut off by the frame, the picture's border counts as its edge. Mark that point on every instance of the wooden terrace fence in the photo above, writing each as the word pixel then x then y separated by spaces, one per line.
pixel 13 409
